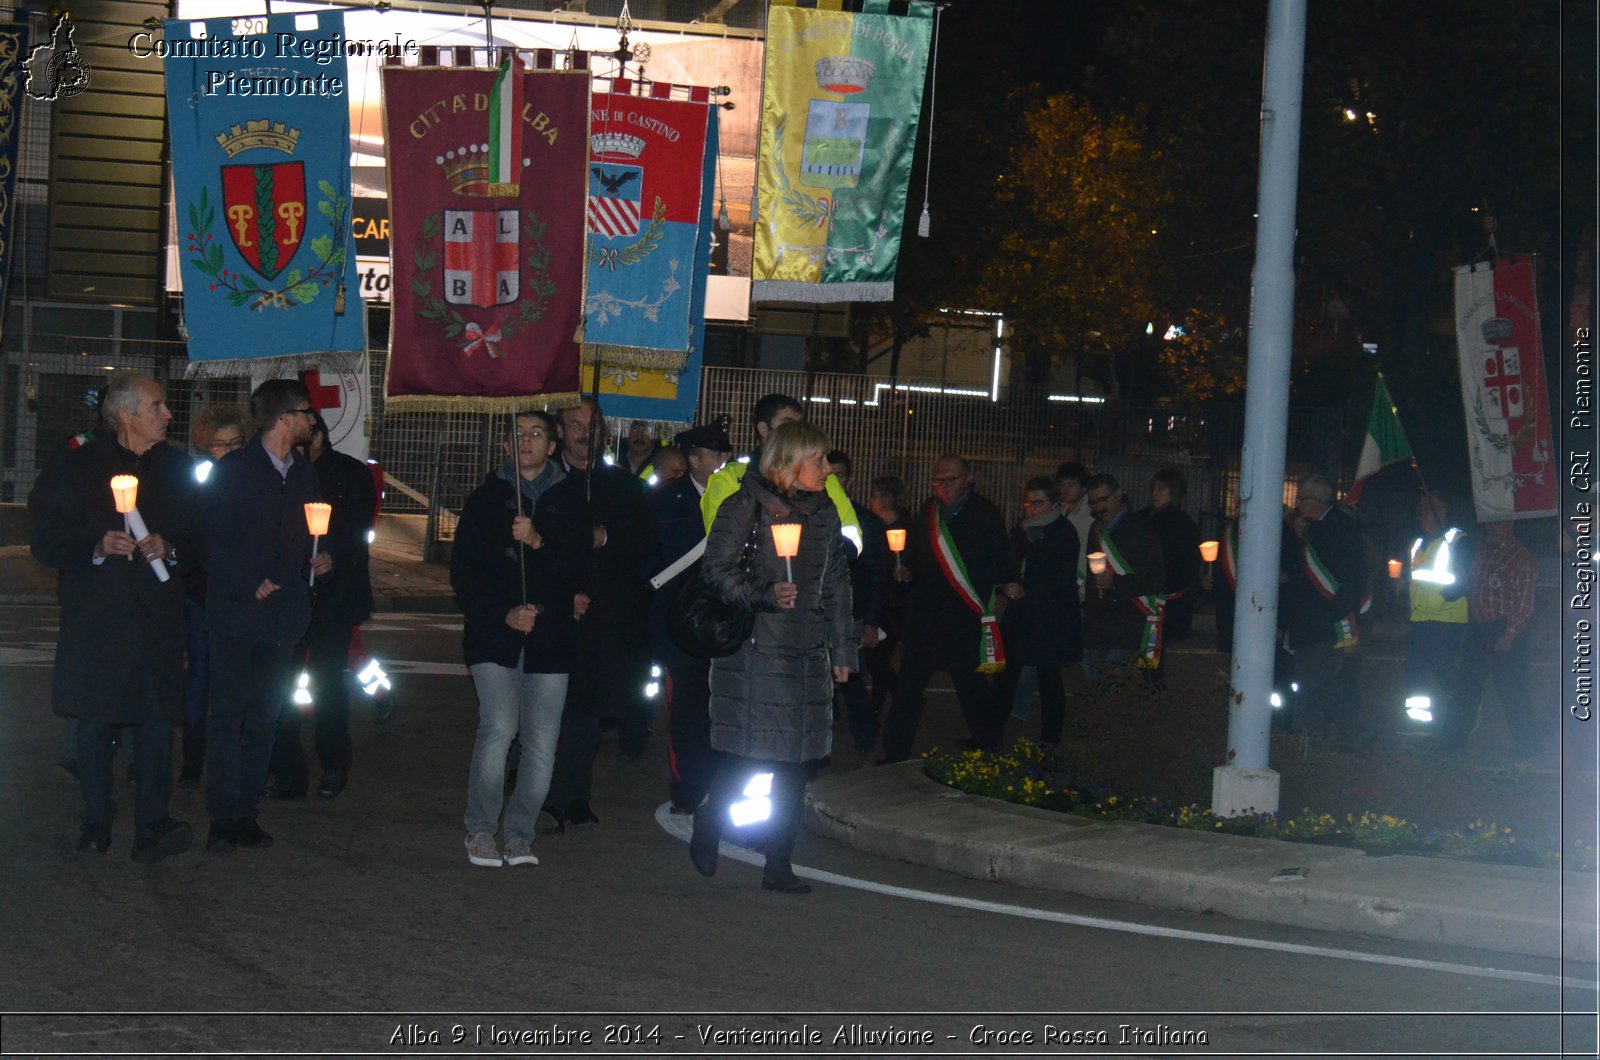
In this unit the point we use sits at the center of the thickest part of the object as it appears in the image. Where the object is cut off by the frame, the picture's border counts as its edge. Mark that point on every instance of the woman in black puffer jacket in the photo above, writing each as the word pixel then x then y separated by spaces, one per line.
pixel 772 700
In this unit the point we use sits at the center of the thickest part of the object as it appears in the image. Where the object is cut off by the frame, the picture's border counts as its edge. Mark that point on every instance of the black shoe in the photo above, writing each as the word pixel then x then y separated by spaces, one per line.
pixel 704 842
pixel 167 837
pixel 332 782
pixel 283 790
pixel 578 812
pixel 779 876
pixel 222 837
pixel 247 833
pixel 557 816
pixel 94 839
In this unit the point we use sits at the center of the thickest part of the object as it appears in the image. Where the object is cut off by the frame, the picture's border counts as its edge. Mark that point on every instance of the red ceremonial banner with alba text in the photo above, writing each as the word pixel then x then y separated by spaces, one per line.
pixel 1503 392
pixel 488 271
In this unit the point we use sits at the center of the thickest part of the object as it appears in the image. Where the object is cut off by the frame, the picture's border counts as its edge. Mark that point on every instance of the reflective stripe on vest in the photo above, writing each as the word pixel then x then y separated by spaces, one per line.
pixel 1430 575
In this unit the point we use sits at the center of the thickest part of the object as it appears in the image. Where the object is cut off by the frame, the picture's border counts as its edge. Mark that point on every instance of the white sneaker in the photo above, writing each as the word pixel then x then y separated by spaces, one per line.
pixel 518 852
pixel 482 851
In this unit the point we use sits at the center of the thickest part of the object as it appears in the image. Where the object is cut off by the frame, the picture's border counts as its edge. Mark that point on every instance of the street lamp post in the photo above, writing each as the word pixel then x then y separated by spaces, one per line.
pixel 1244 783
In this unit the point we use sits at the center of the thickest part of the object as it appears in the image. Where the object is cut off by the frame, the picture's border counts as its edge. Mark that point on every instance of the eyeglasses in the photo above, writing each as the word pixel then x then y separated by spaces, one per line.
pixel 1030 505
pixel 949 480
pixel 226 447
pixel 308 412
pixel 1102 499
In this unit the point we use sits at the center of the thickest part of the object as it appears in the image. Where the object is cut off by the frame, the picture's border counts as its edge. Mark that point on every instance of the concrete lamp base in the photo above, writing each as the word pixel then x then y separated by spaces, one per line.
pixel 1237 791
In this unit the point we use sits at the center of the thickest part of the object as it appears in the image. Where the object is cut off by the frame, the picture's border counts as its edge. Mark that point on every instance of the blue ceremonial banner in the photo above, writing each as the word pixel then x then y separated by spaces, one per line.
pixel 643 214
pixel 13 47
pixel 260 128
pixel 672 395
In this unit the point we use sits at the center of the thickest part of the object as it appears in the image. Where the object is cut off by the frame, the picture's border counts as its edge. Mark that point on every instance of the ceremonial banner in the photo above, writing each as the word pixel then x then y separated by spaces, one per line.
pixel 487 256
pixel 341 393
pixel 260 135
pixel 644 218
pixel 13 47
pixel 1503 391
pixel 840 102
pixel 671 395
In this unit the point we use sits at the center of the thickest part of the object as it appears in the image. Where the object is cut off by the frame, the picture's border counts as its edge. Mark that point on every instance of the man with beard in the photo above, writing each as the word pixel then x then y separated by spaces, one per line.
pixel 258 602
pixel 599 512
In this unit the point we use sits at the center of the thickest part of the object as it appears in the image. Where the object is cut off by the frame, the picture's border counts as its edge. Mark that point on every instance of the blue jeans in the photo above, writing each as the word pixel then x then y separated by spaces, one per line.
pixel 512 703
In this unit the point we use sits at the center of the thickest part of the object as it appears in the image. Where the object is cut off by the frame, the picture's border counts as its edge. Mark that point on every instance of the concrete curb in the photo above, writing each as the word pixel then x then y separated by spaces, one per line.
pixel 897 812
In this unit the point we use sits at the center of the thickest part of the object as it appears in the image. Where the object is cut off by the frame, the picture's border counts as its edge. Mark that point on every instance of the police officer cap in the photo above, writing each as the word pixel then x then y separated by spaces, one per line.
pixel 712 436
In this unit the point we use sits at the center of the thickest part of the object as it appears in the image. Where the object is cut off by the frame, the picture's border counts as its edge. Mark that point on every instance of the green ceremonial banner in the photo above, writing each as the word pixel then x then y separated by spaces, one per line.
pixel 840 104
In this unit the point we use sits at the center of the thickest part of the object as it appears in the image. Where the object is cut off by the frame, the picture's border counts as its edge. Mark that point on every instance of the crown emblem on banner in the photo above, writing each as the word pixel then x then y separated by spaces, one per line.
pixel 467 169
pixel 622 145
pixel 1496 330
pixel 259 133
pixel 843 74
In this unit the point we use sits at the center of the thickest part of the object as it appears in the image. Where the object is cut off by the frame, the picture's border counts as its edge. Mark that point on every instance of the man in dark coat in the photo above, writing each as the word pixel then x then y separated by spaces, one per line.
pixel 1322 601
pixel 599 512
pixel 1114 619
pixel 258 603
pixel 1042 626
pixel 340 602
pixel 679 532
pixel 119 660
pixel 943 629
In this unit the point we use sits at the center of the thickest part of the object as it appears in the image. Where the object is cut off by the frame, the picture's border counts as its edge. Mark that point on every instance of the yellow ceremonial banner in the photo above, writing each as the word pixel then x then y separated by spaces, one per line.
pixel 840 102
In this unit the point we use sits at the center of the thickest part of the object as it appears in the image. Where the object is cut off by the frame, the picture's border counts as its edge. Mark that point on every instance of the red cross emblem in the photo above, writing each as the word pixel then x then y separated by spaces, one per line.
pixel 480 257
pixel 1502 382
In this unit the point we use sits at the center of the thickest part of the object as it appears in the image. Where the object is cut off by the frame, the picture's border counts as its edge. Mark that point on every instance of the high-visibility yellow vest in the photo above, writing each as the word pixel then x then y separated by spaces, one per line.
pixel 1431 574
pixel 725 483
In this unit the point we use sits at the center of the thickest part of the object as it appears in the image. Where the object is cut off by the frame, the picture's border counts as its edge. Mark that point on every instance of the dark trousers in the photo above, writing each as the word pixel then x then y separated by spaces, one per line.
pixel 690 757
pixel 862 713
pixel 1052 699
pixel 917 666
pixel 788 799
pixel 573 776
pixel 327 650
pixel 1330 692
pixel 248 682
pixel 1482 664
pixel 876 663
pixel 152 763
pixel 195 690
pixel 1433 653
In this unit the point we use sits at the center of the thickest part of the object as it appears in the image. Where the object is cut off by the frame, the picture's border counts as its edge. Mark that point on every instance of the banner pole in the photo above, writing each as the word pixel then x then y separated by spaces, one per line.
pixel 516 493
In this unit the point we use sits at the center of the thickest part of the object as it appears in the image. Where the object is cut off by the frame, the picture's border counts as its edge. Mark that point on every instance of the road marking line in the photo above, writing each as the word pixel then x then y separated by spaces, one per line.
pixel 681 826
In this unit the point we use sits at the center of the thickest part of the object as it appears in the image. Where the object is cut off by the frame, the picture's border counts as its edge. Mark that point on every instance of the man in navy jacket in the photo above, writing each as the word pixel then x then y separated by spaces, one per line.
pixel 258 602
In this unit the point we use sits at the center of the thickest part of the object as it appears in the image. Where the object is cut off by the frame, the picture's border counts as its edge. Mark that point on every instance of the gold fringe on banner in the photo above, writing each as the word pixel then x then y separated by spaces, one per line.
pixel 635 357
pixel 282 367
pixel 438 403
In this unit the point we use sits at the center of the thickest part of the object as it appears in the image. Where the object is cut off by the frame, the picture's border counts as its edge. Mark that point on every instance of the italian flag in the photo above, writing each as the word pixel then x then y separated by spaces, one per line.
pixel 1385 443
pixel 505 129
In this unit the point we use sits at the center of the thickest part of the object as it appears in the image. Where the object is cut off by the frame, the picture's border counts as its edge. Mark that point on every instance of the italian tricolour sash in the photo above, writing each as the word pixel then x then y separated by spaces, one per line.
pixel 1153 606
pixel 1346 632
pixel 991 649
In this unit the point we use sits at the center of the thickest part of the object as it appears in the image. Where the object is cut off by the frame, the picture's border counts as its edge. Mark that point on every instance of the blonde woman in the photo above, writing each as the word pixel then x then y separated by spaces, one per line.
pixel 772 700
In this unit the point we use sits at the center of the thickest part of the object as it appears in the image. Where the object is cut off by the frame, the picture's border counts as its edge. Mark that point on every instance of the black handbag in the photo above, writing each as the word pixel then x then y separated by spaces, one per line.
pixel 702 623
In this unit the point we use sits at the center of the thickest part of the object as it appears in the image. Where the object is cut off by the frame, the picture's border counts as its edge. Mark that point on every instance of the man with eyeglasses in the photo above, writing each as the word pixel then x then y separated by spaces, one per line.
pixel 1118 599
pixel 956 553
pixel 258 602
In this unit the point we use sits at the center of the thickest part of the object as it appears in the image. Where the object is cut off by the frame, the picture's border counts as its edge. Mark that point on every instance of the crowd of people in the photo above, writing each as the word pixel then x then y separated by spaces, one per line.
pixel 570 568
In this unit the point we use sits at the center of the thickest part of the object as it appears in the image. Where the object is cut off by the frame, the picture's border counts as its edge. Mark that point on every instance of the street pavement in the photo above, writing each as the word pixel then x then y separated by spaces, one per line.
pixel 928 902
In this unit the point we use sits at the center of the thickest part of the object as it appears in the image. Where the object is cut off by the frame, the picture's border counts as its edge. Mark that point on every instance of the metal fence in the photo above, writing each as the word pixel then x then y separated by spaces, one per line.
pixel 889 427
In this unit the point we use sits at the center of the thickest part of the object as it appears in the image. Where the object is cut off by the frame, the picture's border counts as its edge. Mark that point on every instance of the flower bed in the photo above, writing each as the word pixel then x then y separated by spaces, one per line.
pixel 1028 774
